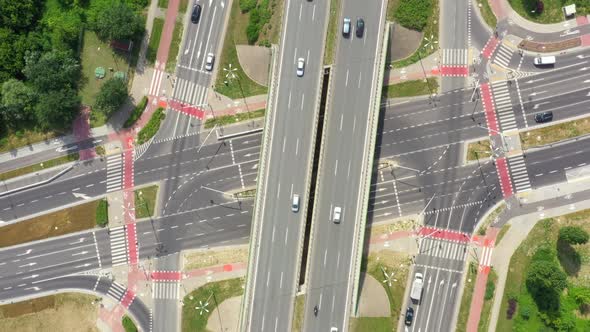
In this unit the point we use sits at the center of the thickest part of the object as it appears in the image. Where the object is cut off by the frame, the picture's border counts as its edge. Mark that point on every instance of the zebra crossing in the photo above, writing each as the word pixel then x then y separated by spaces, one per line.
pixel 443 249
pixel 165 290
pixel 114 172
pixel 454 57
pixel 503 104
pixel 503 56
pixel 520 175
pixel 118 245
pixel 116 291
pixel 190 93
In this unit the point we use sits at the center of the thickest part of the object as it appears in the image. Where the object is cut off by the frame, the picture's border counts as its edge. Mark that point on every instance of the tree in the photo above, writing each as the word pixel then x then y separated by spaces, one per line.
pixel 20 15
pixel 545 281
pixel 65 26
pixel 413 14
pixel 58 108
pixel 115 21
pixel 54 70
pixel 12 48
pixel 18 101
pixel 573 235
pixel 582 297
pixel 112 95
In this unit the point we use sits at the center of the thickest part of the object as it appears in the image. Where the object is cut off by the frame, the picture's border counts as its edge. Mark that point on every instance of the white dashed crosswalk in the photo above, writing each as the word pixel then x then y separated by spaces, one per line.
pixel 503 103
pixel 116 291
pixel 156 82
pixel 114 172
pixel 454 56
pixel 118 246
pixel 165 290
pixel 188 92
pixel 520 175
pixel 443 249
pixel 503 56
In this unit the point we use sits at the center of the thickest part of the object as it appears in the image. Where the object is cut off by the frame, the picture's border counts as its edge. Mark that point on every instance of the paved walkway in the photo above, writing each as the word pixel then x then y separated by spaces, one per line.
pixel 416 71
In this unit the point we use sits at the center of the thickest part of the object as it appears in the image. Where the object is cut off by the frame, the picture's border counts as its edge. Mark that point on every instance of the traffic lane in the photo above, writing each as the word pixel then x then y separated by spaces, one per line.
pixel 453 20
pixel 562 111
pixel 426 105
pixel 560 73
pixel 166 309
pixel 562 60
pixel 550 165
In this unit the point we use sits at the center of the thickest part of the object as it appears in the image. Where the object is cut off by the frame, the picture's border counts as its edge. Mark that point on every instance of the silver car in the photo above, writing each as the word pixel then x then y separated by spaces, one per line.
pixel 300 66
pixel 209 61
pixel 337 214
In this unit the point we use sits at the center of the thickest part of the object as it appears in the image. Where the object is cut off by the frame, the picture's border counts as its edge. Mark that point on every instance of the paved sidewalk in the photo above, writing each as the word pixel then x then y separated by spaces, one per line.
pixel 429 65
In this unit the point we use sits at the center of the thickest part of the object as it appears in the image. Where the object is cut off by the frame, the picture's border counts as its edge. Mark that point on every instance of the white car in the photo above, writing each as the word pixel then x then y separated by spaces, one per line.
pixel 300 66
pixel 337 214
pixel 209 61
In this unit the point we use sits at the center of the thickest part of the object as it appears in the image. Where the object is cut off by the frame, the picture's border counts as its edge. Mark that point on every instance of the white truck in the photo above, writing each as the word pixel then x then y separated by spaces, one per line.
pixel 417 285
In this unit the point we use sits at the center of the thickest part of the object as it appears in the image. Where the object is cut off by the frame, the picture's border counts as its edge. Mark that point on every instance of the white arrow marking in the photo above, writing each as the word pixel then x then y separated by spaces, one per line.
pixel 84 265
pixel 33 288
pixel 80 253
pixel 80 195
pixel 63 148
pixel 537 80
pixel 26 252
pixel 30 264
pixel 32 276
pixel 580 56
pixel 255 166
pixel 222 4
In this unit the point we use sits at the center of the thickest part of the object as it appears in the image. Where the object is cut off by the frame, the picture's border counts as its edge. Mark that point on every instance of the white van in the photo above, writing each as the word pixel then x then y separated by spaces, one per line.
pixel 544 60
pixel 295 203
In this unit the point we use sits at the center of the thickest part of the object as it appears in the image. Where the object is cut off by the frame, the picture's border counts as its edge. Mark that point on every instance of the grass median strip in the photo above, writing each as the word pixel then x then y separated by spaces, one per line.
pixel 487 13
pixel 73 219
pixel 229 119
pixel 479 150
pixel 486 310
pixel 174 47
pixel 128 324
pixel 411 88
pixel 298 313
pixel 152 127
pixel 102 213
pixel 213 293
pixel 553 134
pixel 333 28
pixel 145 201
pixel 136 113
pixel 152 50
pixel 467 296
pixel 39 167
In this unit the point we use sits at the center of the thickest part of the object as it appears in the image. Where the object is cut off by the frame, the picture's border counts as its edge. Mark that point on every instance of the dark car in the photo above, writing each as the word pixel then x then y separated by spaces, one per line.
pixel 196 15
pixel 409 316
pixel 360 27
pixel 543 117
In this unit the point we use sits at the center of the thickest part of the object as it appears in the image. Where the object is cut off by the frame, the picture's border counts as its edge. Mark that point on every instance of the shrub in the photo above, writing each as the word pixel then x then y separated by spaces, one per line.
pixel 573 235
pixel 112 95
pixel 151 128
pixel 525 312
pixel 490 287
pixel 413 14
pixel 137 112
pixel 247 5
pixel 545 280
pixel 102 213
pixel 252 32
pixel 511 308
pixel 128 324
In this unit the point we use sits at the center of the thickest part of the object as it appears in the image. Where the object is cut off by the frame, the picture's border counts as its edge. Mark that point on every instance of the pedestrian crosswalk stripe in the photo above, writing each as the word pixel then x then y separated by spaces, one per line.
pixel 165 290
pixel 118 246
pixel 116 291
pixel 114 172
pixel 453 56
pixel 443 249
pixel 520 175
pixel 503 56
pixel 503 106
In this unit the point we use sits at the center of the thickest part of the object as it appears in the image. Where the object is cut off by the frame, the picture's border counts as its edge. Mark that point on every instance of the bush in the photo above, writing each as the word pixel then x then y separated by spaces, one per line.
pixel 112 95
pixel 545 280
pixel 540 7
pixel 252 32
pixel 102 213
pixel 128 324
pixel 247 5
pixel 490 288
pixel 137 112
pixel 511 308
pixel 259 16
pixel 525 313
pixel 151 128
pixel 573 235
pixel 413 14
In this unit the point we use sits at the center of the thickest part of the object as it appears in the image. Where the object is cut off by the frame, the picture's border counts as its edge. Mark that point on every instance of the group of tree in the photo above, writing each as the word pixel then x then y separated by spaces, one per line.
pixel 39 55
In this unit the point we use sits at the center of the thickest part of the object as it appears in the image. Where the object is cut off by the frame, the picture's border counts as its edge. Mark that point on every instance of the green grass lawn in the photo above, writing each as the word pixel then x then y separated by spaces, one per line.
pixel 13 140
pixel 333 31
pixel 229 119
pixel 183 6
pixel 96 53
pixel 145 201
pixel 39 166
pixel 552 12
pixel 163 3
pixel 555 133
pixel 487 13
pixel 501 234
pixel 152 50
pixel 102 213
pixel 467 296
pixel 152 127
pixel 411 88
pixel 174 47
pixel 236 28
pixel 372 324
pixel 213 293
pixel 486 310
pixel 427 46
pixel 128 324
pixel 545 233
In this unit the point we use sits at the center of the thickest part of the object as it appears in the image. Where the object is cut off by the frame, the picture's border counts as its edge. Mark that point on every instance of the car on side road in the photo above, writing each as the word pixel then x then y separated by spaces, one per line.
pixel 209 61
pixel 543 117
pixel 300 67
pixel 360 27
pixel 409 316
pixel 295 203
pixel 337 215
pixel 334 329
pixel 346 27
pixel 196 14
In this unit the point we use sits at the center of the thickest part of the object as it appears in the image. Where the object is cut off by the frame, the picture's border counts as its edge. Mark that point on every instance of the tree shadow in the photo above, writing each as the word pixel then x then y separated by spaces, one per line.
pixel 569 258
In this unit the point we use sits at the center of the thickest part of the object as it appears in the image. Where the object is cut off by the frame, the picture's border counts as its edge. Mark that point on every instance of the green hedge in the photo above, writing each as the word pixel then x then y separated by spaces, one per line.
pixel 137 112
pixel 247 5
pixel 151 128
pixel 102 213
pixel 413 14
pixel 128 324
pixel 259 16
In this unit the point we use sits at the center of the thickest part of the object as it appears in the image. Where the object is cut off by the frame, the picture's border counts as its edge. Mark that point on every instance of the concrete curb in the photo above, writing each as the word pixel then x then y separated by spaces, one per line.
pixel 33 185
pixel 234 135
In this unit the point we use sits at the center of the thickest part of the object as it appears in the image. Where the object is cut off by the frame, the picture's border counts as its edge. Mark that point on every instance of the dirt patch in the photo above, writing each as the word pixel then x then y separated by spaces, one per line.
pixel 549 47
pixel 373 299
pixel 70 220
pixel 255 61
pixel 403 42
pixel 401 225
pixel 206 258
pixel 226 317
pixel 61 312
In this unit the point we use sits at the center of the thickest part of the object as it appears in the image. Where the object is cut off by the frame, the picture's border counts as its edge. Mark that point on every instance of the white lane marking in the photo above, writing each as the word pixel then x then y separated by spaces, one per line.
pixel 289 101
pixel 313 13
pixel 341 120
pixel 284 142
pixel 302 101
pixel 336 167
pixel 300 11
pixel 297 147
pixel 346 81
